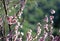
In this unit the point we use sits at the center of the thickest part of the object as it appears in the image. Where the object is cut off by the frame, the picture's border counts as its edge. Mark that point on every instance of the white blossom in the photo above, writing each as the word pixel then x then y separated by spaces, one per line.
pixel 41 39
pixel 39 24
pixel 51 17
pixel 38 30
pixel 20 38
pixel 16 36
pixel 51 37
pixel 52 22
pixel 22 33
pixel 21 26
pixel 29 35
pixel 52 11
pixel 20 13
pixel 46 18
pixel 18 23
pixel 7 39
pixel 46 27
pixel 45 34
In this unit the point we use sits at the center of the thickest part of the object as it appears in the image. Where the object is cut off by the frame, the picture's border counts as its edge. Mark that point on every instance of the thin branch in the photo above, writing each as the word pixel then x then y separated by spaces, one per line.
pixel 4 7
pixel 22 5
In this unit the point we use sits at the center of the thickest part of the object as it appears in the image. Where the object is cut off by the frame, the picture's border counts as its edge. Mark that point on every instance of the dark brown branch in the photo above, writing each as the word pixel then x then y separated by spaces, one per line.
pixel 4 7
pixel 10 39
pixel 2 32
pixel 22 5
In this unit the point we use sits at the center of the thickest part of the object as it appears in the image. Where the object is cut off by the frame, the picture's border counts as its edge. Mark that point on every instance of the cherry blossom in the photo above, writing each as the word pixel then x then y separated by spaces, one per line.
pixel 46 27
pixel 22 33
pixel 29 35
pixel 45 34
pixel 38 29
pixel 52 11
pixel 51 38
pixel 41 39
pixel 46 18
pixel 51 17
pixel 11 20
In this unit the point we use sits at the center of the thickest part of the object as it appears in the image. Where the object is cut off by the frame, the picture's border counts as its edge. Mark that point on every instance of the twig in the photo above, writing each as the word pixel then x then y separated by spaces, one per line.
pixel 4 7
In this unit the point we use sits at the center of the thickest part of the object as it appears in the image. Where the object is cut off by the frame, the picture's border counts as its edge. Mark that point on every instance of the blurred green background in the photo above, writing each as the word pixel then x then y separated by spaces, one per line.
pixel 34 12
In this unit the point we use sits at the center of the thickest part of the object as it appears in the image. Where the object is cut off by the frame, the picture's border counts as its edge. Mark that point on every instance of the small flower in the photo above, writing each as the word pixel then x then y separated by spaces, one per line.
pixel 29 35
pixel 56 38
pixel 22 33
pixel 16 27
pixel 22 5
pixel 7 39
pixel 39 24
pixel 46 18
pixel 41 39
pixel 51 17
pixel 18 23
pixel 46 27
pixel 45 34
pixel 30 30
pixel 51 27
pixel 18 33
pixel 51 38
pixel 21 26
pixel 38 30
pixel 20 13
pixel 52 11
pixel 20 39
pixel 52 22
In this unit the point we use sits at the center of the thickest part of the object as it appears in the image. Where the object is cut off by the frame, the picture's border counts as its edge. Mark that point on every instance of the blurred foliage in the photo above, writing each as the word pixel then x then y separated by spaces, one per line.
pixel 34 12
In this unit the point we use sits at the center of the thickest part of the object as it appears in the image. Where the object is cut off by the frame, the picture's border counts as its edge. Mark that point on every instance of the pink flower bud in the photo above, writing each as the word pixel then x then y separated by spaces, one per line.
pixel 11 20
pixel 46 19
pixel 51 17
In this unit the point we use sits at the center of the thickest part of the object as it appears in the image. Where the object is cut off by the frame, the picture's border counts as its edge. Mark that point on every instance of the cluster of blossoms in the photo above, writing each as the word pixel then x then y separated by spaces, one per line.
pixel 49 29
pixel 12 20
pixel 29 36
pixel 16 35
pixel 22 3
pixel 38 29
pixel 13 35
